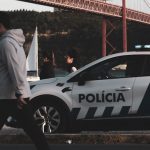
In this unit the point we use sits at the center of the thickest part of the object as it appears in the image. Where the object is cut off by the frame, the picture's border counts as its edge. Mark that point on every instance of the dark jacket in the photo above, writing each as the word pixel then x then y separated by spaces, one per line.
pixel 47 71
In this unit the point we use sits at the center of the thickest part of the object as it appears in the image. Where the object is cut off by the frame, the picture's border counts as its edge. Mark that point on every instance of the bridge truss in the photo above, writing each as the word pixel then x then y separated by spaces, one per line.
pixel 102 8
pixel 97 7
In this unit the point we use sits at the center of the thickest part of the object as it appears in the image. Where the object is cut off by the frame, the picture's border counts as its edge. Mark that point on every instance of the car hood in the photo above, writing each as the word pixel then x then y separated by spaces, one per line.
pixel 45 81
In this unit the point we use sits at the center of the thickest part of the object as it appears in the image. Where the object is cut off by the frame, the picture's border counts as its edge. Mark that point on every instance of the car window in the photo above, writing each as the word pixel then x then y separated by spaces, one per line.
pixel 122 67
pixel 114 68
pixel 118 71
pixel 146 71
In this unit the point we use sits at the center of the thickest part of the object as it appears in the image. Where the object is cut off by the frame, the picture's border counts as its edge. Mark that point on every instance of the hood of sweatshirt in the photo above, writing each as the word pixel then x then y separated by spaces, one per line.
pixel 16 34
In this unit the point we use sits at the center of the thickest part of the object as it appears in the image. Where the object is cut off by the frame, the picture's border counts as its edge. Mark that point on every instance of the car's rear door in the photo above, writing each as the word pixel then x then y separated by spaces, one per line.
pixel 141 92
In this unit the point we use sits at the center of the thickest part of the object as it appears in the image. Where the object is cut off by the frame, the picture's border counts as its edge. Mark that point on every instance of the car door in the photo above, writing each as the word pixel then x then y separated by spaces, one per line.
pixel 107 90
pixel 141 90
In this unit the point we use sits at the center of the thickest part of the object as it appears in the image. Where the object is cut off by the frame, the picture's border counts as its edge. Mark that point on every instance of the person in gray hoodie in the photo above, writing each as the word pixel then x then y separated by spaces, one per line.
pixel 14 88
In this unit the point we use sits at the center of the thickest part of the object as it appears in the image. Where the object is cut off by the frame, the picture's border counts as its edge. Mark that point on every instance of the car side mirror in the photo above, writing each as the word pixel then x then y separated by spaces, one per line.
pixel 82 79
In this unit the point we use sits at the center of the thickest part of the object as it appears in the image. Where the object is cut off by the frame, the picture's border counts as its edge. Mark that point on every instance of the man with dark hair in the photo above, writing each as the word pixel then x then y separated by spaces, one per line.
pixel 47 68
pixel 71 60
pixel 14 88
pixel 4 19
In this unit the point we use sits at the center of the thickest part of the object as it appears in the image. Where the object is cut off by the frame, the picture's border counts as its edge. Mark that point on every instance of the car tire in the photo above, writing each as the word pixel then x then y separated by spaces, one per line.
pixel 50 116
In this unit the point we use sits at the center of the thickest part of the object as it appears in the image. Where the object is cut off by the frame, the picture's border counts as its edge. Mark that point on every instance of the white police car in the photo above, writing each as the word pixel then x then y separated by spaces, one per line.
pixel 112 88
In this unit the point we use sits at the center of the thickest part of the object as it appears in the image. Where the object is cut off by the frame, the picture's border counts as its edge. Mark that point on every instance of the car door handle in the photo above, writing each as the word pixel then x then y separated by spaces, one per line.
pixel 123 89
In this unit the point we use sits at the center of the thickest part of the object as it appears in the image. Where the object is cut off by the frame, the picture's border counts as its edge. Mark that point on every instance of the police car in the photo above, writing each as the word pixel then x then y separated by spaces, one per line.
pixel 115 87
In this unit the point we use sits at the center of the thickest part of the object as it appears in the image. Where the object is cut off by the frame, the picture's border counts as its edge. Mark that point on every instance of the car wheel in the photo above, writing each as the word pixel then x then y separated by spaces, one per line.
pixel 50 118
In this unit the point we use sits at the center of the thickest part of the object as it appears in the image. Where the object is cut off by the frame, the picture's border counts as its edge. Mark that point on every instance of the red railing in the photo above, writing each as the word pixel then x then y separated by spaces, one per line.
pixel 97 7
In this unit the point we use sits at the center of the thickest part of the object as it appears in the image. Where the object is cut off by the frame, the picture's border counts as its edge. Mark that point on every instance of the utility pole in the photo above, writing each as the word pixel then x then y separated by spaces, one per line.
pixel 104 28
pixel 124 22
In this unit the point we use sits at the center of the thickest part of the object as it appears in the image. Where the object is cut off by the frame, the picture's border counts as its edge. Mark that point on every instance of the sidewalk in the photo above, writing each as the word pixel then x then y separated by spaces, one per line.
pixel 17 136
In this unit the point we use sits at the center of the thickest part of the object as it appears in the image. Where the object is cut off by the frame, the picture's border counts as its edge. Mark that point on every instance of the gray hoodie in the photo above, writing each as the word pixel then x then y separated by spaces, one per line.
pixel 13 65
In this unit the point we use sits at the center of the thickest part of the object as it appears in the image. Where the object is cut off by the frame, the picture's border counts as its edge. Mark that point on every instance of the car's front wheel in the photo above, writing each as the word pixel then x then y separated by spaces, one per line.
pixel 50 118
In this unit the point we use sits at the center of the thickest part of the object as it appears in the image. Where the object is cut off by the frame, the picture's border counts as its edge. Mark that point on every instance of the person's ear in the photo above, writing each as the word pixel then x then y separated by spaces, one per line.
pixel 2 28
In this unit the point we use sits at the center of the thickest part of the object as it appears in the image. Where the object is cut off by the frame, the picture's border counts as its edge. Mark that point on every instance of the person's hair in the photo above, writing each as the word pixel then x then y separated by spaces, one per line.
pixel 4 19
pixel 72 53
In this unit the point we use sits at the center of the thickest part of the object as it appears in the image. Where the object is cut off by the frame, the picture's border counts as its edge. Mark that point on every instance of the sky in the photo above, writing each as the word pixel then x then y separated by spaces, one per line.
pixel 6 5
pixel 140 5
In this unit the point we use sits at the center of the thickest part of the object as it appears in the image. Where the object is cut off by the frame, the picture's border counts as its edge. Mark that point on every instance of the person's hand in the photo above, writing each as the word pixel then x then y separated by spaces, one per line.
pixel 21 102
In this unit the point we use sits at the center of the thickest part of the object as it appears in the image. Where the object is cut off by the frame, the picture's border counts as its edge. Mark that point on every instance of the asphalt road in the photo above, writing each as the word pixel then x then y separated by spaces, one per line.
pixel 79 147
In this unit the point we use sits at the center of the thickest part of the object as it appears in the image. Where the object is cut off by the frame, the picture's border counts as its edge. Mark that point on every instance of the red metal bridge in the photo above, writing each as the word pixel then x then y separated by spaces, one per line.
pixel 103 8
